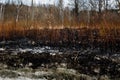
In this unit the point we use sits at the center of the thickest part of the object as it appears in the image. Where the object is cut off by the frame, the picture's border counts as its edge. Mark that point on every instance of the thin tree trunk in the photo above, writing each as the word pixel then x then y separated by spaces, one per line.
pixel 1 11
pixel 32 6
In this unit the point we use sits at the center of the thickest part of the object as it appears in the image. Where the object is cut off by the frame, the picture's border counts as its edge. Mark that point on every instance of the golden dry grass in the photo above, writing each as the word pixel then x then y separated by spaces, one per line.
pixel 10 29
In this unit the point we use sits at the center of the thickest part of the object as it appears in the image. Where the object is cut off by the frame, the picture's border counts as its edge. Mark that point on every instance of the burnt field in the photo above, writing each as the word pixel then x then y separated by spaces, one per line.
pixel 87 51
pixel 60 40
pixel 89 62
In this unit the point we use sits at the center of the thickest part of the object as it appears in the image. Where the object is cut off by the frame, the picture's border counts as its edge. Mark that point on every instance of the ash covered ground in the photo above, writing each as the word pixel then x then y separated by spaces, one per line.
pixel 31 60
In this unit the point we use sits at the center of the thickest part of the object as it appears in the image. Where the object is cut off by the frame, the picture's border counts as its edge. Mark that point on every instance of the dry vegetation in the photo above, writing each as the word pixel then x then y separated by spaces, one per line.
pixel 89 39
pixel 54 24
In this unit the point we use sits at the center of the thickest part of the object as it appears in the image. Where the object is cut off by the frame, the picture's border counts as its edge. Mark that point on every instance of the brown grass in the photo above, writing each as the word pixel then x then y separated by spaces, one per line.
pixel 103 31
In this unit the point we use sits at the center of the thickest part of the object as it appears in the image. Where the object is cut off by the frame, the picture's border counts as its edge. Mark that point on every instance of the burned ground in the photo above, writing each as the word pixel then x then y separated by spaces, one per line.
pixel 86 51
pixel 90 62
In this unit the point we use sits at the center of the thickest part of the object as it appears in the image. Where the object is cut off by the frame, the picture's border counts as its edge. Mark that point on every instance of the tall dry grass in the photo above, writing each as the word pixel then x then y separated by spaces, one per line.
pixel 103 31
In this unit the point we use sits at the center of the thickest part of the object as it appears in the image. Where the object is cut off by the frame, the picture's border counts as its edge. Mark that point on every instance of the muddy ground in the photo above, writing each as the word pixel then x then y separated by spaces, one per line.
pixel 87 60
